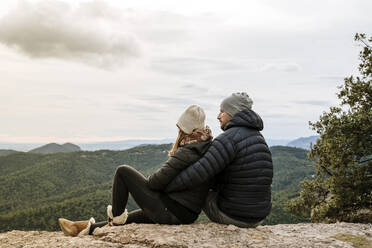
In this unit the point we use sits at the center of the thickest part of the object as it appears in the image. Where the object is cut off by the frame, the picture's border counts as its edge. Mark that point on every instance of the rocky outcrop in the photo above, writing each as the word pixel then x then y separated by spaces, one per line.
pixel 201 235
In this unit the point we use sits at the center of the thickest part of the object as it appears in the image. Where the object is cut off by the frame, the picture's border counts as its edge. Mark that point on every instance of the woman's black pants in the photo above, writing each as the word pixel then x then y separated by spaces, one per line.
pixel 129 180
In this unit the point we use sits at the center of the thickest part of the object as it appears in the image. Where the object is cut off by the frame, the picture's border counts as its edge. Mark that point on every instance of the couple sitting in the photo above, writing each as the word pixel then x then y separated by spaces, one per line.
pixel 229 177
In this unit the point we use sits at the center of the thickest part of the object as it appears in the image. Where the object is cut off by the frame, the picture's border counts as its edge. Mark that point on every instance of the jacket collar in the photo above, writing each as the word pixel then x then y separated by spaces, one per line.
pixel 245 118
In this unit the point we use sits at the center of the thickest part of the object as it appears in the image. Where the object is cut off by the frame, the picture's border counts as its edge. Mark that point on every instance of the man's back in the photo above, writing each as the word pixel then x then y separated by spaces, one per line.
pixel 245 183
pixel 241 161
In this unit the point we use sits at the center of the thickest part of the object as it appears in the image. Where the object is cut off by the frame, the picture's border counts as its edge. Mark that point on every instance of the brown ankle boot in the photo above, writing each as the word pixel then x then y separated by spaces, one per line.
pixel 72 228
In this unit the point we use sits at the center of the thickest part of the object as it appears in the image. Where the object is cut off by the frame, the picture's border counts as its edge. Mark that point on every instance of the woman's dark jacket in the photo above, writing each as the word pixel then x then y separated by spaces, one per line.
pixel 240 160
pixel 193 197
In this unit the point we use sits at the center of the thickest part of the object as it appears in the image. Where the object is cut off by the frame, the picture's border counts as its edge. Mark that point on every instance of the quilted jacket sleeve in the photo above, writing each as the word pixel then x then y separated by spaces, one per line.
pixel 220 153
pixel 170 169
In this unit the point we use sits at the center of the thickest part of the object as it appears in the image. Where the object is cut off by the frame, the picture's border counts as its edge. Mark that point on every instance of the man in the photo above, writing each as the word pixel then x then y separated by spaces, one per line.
pixel 240 163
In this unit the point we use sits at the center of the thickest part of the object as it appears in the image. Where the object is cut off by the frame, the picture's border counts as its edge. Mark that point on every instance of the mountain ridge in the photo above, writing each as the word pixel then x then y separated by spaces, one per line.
pixel 5 152
pixel 127 144
pixel 55 148
pixel 303 142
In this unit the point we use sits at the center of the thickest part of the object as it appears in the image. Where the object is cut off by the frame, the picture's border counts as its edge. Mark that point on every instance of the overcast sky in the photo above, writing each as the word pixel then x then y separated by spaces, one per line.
pixel 78 71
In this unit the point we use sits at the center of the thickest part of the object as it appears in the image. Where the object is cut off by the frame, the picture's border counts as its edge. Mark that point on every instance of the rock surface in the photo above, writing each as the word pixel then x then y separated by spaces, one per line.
pixel 197 235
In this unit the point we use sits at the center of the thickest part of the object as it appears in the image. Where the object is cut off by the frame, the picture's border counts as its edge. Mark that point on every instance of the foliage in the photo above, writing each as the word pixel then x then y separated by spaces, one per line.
pixel 358 241
pixel 4 152
pixel 37 189
pixel 343 181
pixel 291 166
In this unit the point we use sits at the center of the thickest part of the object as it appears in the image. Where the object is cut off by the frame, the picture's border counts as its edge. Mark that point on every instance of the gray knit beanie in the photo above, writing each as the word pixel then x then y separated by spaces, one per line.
pixel 236 103
pixel 193 118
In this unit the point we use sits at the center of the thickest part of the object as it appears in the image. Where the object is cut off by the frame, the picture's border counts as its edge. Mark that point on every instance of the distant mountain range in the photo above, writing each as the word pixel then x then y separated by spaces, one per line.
pixel 4 152
pixel 303 142
pixel 121 145
pixel 19 147
pixel 277 142
pixel 54 148
pixel 36 189
pixel 93 146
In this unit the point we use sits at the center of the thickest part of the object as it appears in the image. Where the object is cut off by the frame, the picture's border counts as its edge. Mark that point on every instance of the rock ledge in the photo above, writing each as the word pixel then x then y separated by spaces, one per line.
pixel 198 235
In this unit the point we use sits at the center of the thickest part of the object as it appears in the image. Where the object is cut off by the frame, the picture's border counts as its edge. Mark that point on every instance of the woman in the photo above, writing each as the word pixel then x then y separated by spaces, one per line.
pixel 182 207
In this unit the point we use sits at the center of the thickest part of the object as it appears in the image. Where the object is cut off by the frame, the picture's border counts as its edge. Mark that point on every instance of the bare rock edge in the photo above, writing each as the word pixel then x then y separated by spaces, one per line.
pixel 198 235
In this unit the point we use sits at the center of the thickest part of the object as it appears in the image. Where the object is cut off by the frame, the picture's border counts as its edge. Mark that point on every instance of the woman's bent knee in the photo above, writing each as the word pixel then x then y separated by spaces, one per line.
pixel 123 167
pixel 126 171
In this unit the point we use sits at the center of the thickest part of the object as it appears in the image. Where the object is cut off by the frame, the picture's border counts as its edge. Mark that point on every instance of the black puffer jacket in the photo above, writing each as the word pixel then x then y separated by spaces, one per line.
pixel 240 160
pixel 192 197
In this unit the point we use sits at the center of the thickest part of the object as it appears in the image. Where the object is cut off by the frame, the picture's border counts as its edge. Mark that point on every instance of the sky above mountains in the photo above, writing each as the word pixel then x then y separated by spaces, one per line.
pixel 80 71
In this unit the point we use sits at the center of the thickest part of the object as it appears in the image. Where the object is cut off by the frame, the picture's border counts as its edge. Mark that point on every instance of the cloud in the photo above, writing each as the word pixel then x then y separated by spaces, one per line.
pixel 187 65
pixel 285 67
pixel 173 101
pixel 53 29
pixel 332 78
pixel 194 88
pixel 314 102
pixel 277 116
pixel 166 101
pixel 139 108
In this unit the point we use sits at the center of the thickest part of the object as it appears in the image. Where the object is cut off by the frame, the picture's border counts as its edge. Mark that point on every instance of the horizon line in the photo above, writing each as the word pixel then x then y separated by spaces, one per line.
pixel 41 140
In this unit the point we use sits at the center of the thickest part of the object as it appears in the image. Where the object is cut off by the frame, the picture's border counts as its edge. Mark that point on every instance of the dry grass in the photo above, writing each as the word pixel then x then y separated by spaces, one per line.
pixel 358 241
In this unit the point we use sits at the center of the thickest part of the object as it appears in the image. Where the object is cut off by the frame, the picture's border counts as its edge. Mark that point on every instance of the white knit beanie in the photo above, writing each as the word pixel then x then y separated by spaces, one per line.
pixel 236 103
pixel 191 119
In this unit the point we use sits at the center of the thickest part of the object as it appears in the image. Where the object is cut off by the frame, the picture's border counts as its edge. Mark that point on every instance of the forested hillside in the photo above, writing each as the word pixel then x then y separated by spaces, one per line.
pixel 36 189
pixel 291 166
pixel 55 148
pixel 4 152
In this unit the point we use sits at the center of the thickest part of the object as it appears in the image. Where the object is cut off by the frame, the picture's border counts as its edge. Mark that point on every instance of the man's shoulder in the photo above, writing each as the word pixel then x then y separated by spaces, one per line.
pixel 228 136
pixel 229 132
pixel 238 133
pixel 233 132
